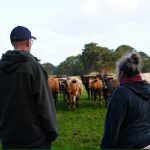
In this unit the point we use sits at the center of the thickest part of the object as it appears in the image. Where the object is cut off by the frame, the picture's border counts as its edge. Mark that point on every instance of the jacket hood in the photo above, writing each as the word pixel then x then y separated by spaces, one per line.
pixel 142 88
pixel 13 59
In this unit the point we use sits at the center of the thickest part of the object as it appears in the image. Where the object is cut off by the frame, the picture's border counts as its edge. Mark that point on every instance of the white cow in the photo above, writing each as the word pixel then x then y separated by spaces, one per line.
pixel 146 76
pixel 74 90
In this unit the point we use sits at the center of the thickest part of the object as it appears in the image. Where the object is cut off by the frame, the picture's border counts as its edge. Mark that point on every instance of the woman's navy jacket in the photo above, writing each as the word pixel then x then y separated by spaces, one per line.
pixel 127 123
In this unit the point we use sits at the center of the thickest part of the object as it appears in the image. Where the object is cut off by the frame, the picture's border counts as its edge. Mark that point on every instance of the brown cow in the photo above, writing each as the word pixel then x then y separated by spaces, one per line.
pixel 86 79
pixel 74 88
pixel 54 86
pixel 96 87
pixel 112 85
pixel 109 85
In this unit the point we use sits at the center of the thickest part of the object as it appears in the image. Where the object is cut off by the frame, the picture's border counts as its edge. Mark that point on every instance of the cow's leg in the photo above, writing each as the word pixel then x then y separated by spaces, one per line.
pixel 94 93
pixel 105 96
pixel 69 102
pixel 60 94
pixel 64 96
pixel 77 101
pixel 74 102
pixel 106 99
pixel 55 97
pixel 88 92
pixel 100 99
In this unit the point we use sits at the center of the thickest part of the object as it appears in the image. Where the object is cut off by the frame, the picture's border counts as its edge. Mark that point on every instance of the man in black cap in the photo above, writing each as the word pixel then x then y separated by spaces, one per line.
pixel 27 110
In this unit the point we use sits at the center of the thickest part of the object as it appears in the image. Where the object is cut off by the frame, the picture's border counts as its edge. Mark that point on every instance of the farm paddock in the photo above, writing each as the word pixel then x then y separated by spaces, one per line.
pixel 81 128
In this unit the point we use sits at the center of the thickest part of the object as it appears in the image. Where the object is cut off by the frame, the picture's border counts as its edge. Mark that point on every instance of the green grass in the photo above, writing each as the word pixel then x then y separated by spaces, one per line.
pixel 82 128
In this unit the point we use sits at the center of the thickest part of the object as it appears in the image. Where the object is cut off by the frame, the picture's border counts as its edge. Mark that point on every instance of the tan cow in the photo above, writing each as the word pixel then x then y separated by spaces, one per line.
pixel 74 90
pixel 146 76
pixel 96 87
pixel 54 86
pixel 112 85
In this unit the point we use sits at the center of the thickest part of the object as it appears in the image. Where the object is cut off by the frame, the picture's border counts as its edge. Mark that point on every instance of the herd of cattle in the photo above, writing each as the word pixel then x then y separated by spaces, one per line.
pixel 97 86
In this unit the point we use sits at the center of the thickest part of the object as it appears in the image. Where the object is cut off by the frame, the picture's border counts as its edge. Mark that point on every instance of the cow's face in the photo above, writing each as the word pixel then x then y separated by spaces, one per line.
pixel 62 85
pixel 105 83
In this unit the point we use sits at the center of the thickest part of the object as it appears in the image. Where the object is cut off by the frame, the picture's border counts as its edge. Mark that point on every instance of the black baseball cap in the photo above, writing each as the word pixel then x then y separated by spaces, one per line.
pixel 21 33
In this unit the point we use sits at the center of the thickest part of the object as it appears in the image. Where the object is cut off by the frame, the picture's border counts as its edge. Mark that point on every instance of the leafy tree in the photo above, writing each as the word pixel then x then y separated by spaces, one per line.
pixel 71 66
pixel 78 66
pixel 144 56
pixel 50 68
pixel 121 50
pixel 145 62
pixel 124 49
pixel 94 57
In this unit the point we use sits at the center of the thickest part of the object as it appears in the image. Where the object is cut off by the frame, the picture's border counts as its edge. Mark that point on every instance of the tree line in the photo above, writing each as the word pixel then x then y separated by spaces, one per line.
pixel 94 58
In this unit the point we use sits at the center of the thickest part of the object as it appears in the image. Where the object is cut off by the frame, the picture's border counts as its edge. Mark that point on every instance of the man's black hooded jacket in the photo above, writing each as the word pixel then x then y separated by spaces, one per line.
pixel 27 111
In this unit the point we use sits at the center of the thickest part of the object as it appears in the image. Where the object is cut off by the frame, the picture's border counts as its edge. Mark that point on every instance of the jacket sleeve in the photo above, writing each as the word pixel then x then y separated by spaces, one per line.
pixel 45 105
pixel 114 119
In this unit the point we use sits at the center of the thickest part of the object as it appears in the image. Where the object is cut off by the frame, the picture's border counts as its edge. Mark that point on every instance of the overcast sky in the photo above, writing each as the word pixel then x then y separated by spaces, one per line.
pixel 62 27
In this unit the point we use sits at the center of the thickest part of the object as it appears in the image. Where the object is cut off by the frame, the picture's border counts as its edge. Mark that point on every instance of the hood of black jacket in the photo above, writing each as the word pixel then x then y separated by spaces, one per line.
pixel 13 59
pixel 141 88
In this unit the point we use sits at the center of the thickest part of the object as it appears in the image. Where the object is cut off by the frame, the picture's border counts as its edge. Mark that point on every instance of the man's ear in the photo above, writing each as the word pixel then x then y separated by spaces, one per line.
pixel 27 43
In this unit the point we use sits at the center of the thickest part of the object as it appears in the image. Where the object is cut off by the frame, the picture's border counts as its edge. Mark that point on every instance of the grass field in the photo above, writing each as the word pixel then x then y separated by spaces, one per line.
pixel 82 128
